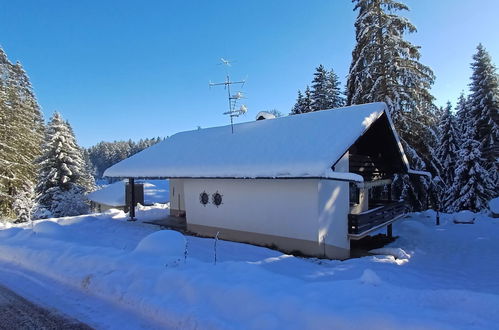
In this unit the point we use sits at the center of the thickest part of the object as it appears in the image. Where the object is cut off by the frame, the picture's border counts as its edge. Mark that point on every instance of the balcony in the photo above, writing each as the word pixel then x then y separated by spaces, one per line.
pixel 382 213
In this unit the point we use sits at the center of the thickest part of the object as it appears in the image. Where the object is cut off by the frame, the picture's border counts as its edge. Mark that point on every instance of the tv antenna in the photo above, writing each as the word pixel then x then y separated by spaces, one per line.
pixel 233 99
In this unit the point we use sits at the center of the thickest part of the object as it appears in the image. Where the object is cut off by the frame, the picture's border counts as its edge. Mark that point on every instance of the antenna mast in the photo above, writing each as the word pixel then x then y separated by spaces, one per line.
pixel 232 99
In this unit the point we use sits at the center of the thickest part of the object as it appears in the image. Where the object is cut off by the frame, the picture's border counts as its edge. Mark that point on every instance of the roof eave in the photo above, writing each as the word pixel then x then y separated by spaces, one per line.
pixel 244 178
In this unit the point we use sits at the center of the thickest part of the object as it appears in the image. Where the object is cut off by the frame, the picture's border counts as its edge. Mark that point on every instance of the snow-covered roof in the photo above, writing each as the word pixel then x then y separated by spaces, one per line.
pixel 155 191
pixel 299 146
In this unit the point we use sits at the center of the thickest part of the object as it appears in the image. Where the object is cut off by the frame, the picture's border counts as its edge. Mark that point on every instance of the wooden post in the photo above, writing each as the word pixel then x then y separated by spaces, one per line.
pixel 131 214
pixel 389 231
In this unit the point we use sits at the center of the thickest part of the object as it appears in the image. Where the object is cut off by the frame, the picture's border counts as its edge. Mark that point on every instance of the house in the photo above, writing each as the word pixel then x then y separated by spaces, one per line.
pixel 113 196
pixel 299 183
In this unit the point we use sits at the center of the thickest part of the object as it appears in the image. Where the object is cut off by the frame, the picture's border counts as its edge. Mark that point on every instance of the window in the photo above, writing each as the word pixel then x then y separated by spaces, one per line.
pixel 204 198
pixel 217 199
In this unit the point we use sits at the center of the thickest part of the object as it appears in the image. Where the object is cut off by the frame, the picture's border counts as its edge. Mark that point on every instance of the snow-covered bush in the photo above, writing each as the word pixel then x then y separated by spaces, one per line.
pixel 494 205
pixel 464 216
pixel 24 205
pixel 70 202
pixel 167 243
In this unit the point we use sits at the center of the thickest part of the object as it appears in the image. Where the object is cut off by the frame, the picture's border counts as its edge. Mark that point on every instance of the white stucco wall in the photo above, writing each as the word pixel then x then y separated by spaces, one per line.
pixel 286 208
pixel 333 208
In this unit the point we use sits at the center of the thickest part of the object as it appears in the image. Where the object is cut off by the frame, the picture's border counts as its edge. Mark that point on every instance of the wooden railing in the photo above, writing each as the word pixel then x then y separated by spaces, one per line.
pixel 383 213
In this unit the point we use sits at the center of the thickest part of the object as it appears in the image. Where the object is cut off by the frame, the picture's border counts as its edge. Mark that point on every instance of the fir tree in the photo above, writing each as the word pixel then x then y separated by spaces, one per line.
pixel 484 109
pixel 320 89
pixel 334 95
pixel 385 68
pixel 462 115
pixel 298 107
pixel 325 93
pixel 105 154
pixel 21 132
pixel 448 149
pixel 307 101
pixel 63 179
pixel 472 187
pixel 303 103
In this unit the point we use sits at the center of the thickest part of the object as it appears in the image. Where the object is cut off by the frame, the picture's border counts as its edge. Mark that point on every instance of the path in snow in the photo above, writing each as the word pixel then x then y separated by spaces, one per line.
pixel 52 295
pixel 18 313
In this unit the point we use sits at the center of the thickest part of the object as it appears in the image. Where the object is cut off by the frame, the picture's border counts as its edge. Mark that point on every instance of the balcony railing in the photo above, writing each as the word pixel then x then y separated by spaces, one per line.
pixel 382 214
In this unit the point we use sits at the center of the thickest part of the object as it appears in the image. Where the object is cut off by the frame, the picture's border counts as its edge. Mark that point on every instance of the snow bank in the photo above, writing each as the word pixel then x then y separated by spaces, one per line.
pixel 7 233
pixel 48 228
pixel 395 252
pixel 370 277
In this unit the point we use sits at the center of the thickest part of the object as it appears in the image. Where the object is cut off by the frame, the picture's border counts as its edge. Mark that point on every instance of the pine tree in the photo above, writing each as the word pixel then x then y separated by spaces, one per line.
pixel 472 187
pixel 325 93
pixel 63 179
pixel 334 95
pixel 21 133
pixel 105 154
pixel 84 169
pixel 320 89
pixel 484 109
pixel 448 149
pixel 298 107
pixel 308 101
pixel 462 115
pixel 385 68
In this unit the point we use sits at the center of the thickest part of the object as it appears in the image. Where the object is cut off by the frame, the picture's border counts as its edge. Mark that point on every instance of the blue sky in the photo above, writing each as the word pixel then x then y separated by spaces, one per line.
pixel 132 69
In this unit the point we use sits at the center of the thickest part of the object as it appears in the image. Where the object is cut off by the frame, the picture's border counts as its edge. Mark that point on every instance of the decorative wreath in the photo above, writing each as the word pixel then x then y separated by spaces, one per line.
pixel 204 198
pixel 216 198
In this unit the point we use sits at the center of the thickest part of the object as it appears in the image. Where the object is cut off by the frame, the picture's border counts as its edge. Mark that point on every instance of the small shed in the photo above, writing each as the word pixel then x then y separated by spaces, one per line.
pixel 117 194
pixel 300 183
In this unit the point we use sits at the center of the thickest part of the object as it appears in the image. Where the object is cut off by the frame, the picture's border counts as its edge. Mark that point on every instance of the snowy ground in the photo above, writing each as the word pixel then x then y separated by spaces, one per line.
pixel 111 273
pixel 17 312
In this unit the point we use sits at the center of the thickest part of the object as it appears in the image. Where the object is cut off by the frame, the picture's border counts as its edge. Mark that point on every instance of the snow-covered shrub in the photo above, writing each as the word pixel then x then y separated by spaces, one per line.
pixel 41 213
pixel 494 205
pixel 24 205
pixel 69 203
pixel 464 216
pixel 163 243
